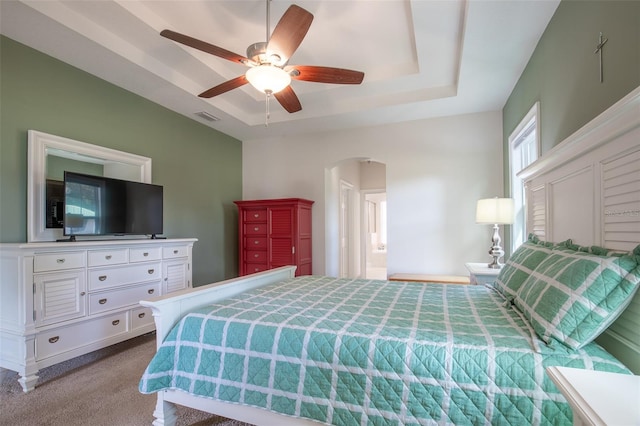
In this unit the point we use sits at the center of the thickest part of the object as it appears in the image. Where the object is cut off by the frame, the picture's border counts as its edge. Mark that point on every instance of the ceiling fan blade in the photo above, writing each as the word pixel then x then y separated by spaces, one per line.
pixel 289 33
pixel 224 87
pixel 325 74
pixel 204 46
pixel 288 99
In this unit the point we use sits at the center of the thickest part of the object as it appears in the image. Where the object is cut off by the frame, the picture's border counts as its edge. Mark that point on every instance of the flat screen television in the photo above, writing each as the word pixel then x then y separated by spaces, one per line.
pixel 97 205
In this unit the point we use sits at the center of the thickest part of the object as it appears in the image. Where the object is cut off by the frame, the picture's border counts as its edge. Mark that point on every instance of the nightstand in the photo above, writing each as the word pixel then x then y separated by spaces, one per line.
pixel 479 273
pixel 597 397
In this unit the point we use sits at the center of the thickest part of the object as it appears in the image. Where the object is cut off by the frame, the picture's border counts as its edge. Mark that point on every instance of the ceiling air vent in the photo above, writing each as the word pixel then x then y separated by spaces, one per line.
pixel 207 116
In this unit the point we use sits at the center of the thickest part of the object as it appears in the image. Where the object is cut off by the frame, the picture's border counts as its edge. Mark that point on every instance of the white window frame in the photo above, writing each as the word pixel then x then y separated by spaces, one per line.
pixel 522 134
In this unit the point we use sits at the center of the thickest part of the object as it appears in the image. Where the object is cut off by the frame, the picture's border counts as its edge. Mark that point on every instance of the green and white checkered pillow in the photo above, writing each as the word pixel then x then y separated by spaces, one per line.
pixel 574 295
pixel 520 265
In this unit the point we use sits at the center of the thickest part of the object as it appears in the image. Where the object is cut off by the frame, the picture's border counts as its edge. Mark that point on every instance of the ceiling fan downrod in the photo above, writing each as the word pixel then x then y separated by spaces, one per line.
pixel 266 39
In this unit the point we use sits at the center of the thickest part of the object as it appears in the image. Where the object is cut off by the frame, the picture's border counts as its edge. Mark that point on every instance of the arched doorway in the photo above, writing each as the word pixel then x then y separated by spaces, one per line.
pixel 348 237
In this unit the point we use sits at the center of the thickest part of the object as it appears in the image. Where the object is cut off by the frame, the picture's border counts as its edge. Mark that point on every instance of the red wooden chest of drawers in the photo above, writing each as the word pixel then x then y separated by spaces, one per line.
pixel 274 233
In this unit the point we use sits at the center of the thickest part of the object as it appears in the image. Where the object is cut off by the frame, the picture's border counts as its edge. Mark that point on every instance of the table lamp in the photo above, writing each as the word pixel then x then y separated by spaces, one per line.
pixel 495 211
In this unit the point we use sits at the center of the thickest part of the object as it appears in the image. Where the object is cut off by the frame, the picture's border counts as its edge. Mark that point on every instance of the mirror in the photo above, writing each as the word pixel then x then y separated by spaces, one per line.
pixel 49 156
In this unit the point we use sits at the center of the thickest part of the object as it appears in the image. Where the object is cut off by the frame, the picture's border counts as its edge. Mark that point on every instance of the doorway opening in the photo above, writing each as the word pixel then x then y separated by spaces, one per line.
pixel 346 229
pixel 375 235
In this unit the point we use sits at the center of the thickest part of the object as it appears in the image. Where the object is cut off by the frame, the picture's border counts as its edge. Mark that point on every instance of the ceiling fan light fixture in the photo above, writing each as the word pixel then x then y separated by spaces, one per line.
pixel 268 79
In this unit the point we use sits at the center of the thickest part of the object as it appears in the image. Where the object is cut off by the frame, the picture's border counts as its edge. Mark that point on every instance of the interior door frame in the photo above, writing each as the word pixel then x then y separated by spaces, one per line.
pixel 345 226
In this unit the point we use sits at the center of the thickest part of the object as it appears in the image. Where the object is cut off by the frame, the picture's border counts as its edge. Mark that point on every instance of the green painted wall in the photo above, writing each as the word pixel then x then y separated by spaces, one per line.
pixel 563 72
pixel 564 75
pixel 199 167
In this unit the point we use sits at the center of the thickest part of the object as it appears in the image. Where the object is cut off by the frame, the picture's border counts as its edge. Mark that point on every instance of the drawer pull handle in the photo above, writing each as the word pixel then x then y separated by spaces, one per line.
pixel 115 322
pixel 54 339
pixel 150 291
pixel 255 228
pixel 60 260
pixel 102 301
pixel 256 255
pixel 108 257
pixel 151 271
pixel 83 293
pixel 141 315
pixel 102 277
pixel 256 242
pixel 175 252
pixel 145 254
pixel 256 215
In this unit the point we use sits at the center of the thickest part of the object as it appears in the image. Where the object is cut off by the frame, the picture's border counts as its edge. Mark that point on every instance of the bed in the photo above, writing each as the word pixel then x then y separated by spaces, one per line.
pixel 274 349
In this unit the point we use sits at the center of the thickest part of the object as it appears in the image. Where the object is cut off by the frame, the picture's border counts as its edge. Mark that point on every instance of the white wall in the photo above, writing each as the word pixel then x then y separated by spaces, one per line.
pixel 436 171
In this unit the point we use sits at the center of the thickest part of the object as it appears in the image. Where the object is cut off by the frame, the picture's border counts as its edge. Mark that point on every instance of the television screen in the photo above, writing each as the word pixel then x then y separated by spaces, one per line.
pixel 97 205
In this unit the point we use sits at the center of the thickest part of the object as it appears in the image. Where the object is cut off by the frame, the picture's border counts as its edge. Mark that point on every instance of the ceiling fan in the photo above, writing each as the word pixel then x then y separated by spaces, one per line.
pixel 267 61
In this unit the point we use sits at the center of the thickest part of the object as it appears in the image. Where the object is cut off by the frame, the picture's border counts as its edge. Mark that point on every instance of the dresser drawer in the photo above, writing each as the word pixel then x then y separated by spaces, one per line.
pixel 116 299
pixel 255 229
pixel 63 339
pixel 141 317
pixel 58 261
pixel 255 215
pixel 255 256
pixel 175 251
pixel 139 254
pixel 122 275
pixel 252 268
pixel 251 243
pixel 107 257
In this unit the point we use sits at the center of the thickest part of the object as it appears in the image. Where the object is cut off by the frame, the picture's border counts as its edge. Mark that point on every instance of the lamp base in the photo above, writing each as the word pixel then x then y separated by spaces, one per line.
pixel 495 264
pixel 496 251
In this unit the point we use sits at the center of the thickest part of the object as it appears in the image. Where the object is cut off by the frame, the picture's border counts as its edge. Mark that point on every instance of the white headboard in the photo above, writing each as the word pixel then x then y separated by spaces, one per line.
pixel 587 188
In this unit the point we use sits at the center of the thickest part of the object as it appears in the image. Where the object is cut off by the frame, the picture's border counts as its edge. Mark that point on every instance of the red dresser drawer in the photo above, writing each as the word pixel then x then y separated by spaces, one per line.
pixel 256 256
pixel 255 215
pixel 251 268
pixel 251 243
pixel 255 229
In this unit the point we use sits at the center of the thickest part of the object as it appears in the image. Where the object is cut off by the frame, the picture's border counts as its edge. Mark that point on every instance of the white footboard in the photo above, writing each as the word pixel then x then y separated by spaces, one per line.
pixel 168 310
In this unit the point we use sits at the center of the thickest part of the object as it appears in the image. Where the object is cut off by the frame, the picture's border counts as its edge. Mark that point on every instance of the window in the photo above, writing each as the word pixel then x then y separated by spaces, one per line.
pixel 524 149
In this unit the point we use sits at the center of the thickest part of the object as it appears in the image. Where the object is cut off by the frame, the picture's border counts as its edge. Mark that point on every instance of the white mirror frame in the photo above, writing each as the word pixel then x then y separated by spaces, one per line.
pixel 39 144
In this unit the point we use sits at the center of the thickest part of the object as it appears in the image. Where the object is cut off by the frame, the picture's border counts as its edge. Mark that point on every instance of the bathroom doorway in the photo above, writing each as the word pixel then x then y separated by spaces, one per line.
pixel 375 234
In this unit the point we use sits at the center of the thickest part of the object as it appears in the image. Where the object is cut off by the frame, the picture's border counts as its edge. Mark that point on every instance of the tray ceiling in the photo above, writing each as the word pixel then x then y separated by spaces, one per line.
pixel 421 59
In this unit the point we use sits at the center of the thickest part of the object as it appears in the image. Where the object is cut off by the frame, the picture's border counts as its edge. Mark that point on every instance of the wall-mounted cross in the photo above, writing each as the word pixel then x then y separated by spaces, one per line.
pixel 601 43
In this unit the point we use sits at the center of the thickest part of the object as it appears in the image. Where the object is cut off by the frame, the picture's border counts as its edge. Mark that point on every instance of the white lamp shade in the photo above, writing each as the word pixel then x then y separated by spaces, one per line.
pixel 495 210
pixel 268 79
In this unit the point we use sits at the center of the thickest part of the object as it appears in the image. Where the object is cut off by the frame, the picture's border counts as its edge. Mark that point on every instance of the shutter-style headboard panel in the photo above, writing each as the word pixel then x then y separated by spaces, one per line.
pixel 621 200
pixel 588 189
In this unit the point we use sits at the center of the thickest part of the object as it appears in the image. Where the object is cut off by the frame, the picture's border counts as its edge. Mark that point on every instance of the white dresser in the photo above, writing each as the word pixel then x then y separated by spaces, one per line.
pixel 62 300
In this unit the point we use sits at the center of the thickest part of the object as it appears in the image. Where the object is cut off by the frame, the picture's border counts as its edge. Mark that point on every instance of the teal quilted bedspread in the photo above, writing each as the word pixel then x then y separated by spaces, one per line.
pixel 363 352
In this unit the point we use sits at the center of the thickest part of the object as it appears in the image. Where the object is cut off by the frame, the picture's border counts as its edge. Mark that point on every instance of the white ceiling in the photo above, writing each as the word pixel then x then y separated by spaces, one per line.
pixel 421 58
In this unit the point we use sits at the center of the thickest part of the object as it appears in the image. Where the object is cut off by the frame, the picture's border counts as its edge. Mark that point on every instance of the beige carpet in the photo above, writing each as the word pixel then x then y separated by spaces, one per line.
pixel 100 388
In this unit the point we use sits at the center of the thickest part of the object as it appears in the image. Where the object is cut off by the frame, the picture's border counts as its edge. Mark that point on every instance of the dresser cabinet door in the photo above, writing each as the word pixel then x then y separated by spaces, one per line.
pixel 175 276
pixel 59 296
pixel 282 248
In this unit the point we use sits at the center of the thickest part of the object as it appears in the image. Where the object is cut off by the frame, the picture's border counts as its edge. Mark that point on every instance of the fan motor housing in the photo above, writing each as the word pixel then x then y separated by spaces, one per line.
pixel 257 52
